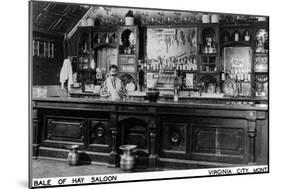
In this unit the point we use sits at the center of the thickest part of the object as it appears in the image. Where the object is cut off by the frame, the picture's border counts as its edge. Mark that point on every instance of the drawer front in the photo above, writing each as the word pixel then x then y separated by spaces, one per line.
pixel 65 129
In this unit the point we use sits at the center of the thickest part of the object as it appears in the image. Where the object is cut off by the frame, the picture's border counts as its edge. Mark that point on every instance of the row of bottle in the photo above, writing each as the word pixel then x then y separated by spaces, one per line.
pixel 185 59
pixel 128 50
pixel 262 77
pixel 208 68
pixel 209 49
pixel 106 38
pixel 158 66
pixel 236 36
pixel 237 76
pixel 209 46
pixel 166 79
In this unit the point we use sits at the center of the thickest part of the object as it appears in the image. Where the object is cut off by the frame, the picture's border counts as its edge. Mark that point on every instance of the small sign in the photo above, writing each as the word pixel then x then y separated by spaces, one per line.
pixel 166 31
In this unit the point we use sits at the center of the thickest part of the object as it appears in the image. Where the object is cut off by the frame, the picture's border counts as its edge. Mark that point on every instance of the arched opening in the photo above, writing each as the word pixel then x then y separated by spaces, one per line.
pixel 135 131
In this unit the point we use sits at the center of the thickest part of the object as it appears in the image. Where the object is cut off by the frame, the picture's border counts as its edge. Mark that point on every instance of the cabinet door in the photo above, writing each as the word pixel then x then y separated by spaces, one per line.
pixel 222 140
pixel 174 137
pixel 64 129
pixel 128 53
pixel 99 134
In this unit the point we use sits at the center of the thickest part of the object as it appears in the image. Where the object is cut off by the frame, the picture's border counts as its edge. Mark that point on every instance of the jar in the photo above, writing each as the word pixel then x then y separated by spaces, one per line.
pixel 215 18
pixel 205 18
pixel 129 18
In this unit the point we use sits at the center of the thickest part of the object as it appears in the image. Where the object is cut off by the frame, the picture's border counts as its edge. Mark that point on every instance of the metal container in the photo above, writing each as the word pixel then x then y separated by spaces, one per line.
pixel 127 161
pixel 152 95
pixel 73 155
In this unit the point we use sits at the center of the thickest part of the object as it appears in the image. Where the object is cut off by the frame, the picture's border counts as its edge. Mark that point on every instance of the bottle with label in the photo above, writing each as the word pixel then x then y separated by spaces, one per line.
pixel 214 48
pixel 176 92
pixel 222 76
pixel 247 36
pixel 129 18
pixel 236 36
pixel 181 67
pixel 106 39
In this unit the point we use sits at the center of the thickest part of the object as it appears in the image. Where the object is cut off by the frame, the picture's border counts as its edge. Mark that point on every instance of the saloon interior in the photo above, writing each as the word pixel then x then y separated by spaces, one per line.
pixel 196 82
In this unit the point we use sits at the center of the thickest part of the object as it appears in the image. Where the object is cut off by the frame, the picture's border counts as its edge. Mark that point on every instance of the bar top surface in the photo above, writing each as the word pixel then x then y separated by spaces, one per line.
pixel 108 101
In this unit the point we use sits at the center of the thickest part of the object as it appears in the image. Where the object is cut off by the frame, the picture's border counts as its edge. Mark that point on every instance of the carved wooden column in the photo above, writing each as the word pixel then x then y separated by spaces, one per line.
pixel 153 156
pixel 35 134
pixel 113 156
pixel 251 118
pixel 35 138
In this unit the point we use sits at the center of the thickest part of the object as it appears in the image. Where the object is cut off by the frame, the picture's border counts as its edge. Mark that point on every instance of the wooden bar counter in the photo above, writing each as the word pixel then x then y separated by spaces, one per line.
pixel 167 134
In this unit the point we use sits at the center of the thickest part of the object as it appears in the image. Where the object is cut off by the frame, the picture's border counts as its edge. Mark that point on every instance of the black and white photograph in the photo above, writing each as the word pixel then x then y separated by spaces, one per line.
pixel 125 94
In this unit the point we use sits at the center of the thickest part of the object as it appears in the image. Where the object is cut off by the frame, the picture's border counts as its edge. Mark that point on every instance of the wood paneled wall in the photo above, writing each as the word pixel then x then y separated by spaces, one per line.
pixel 45 71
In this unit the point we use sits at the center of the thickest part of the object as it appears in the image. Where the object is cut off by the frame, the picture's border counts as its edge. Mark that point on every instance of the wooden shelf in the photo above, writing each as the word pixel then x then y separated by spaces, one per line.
pixel 214 72
pixel 261 54
pixel 167 71
pixel 243 82
pixel 121 73
pixel 242 24
pixel 99 45
pixel 43 57
pixel 207 63
pixel 229 43
pixel 154 71
pixel 208 54
pixel 127 55
pixel 257 72
pixel 235 25
pixel 188 71
pixel 257 81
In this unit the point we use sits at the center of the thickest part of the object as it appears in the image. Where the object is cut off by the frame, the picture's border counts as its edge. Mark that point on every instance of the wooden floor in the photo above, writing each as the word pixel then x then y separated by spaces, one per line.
pixel 46 168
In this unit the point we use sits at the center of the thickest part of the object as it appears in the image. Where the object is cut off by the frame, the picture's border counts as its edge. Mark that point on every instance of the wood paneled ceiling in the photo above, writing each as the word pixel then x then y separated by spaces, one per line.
pixel 56 18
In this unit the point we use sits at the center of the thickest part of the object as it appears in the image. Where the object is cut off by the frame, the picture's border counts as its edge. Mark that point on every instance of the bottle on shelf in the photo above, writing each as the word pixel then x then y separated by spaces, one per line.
pixel 145 65
pixel 176 89
pixel 205 51
pixel 107 39
pixel 214 48
pixel 236 36
pixel 141 75
pixel 247 36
